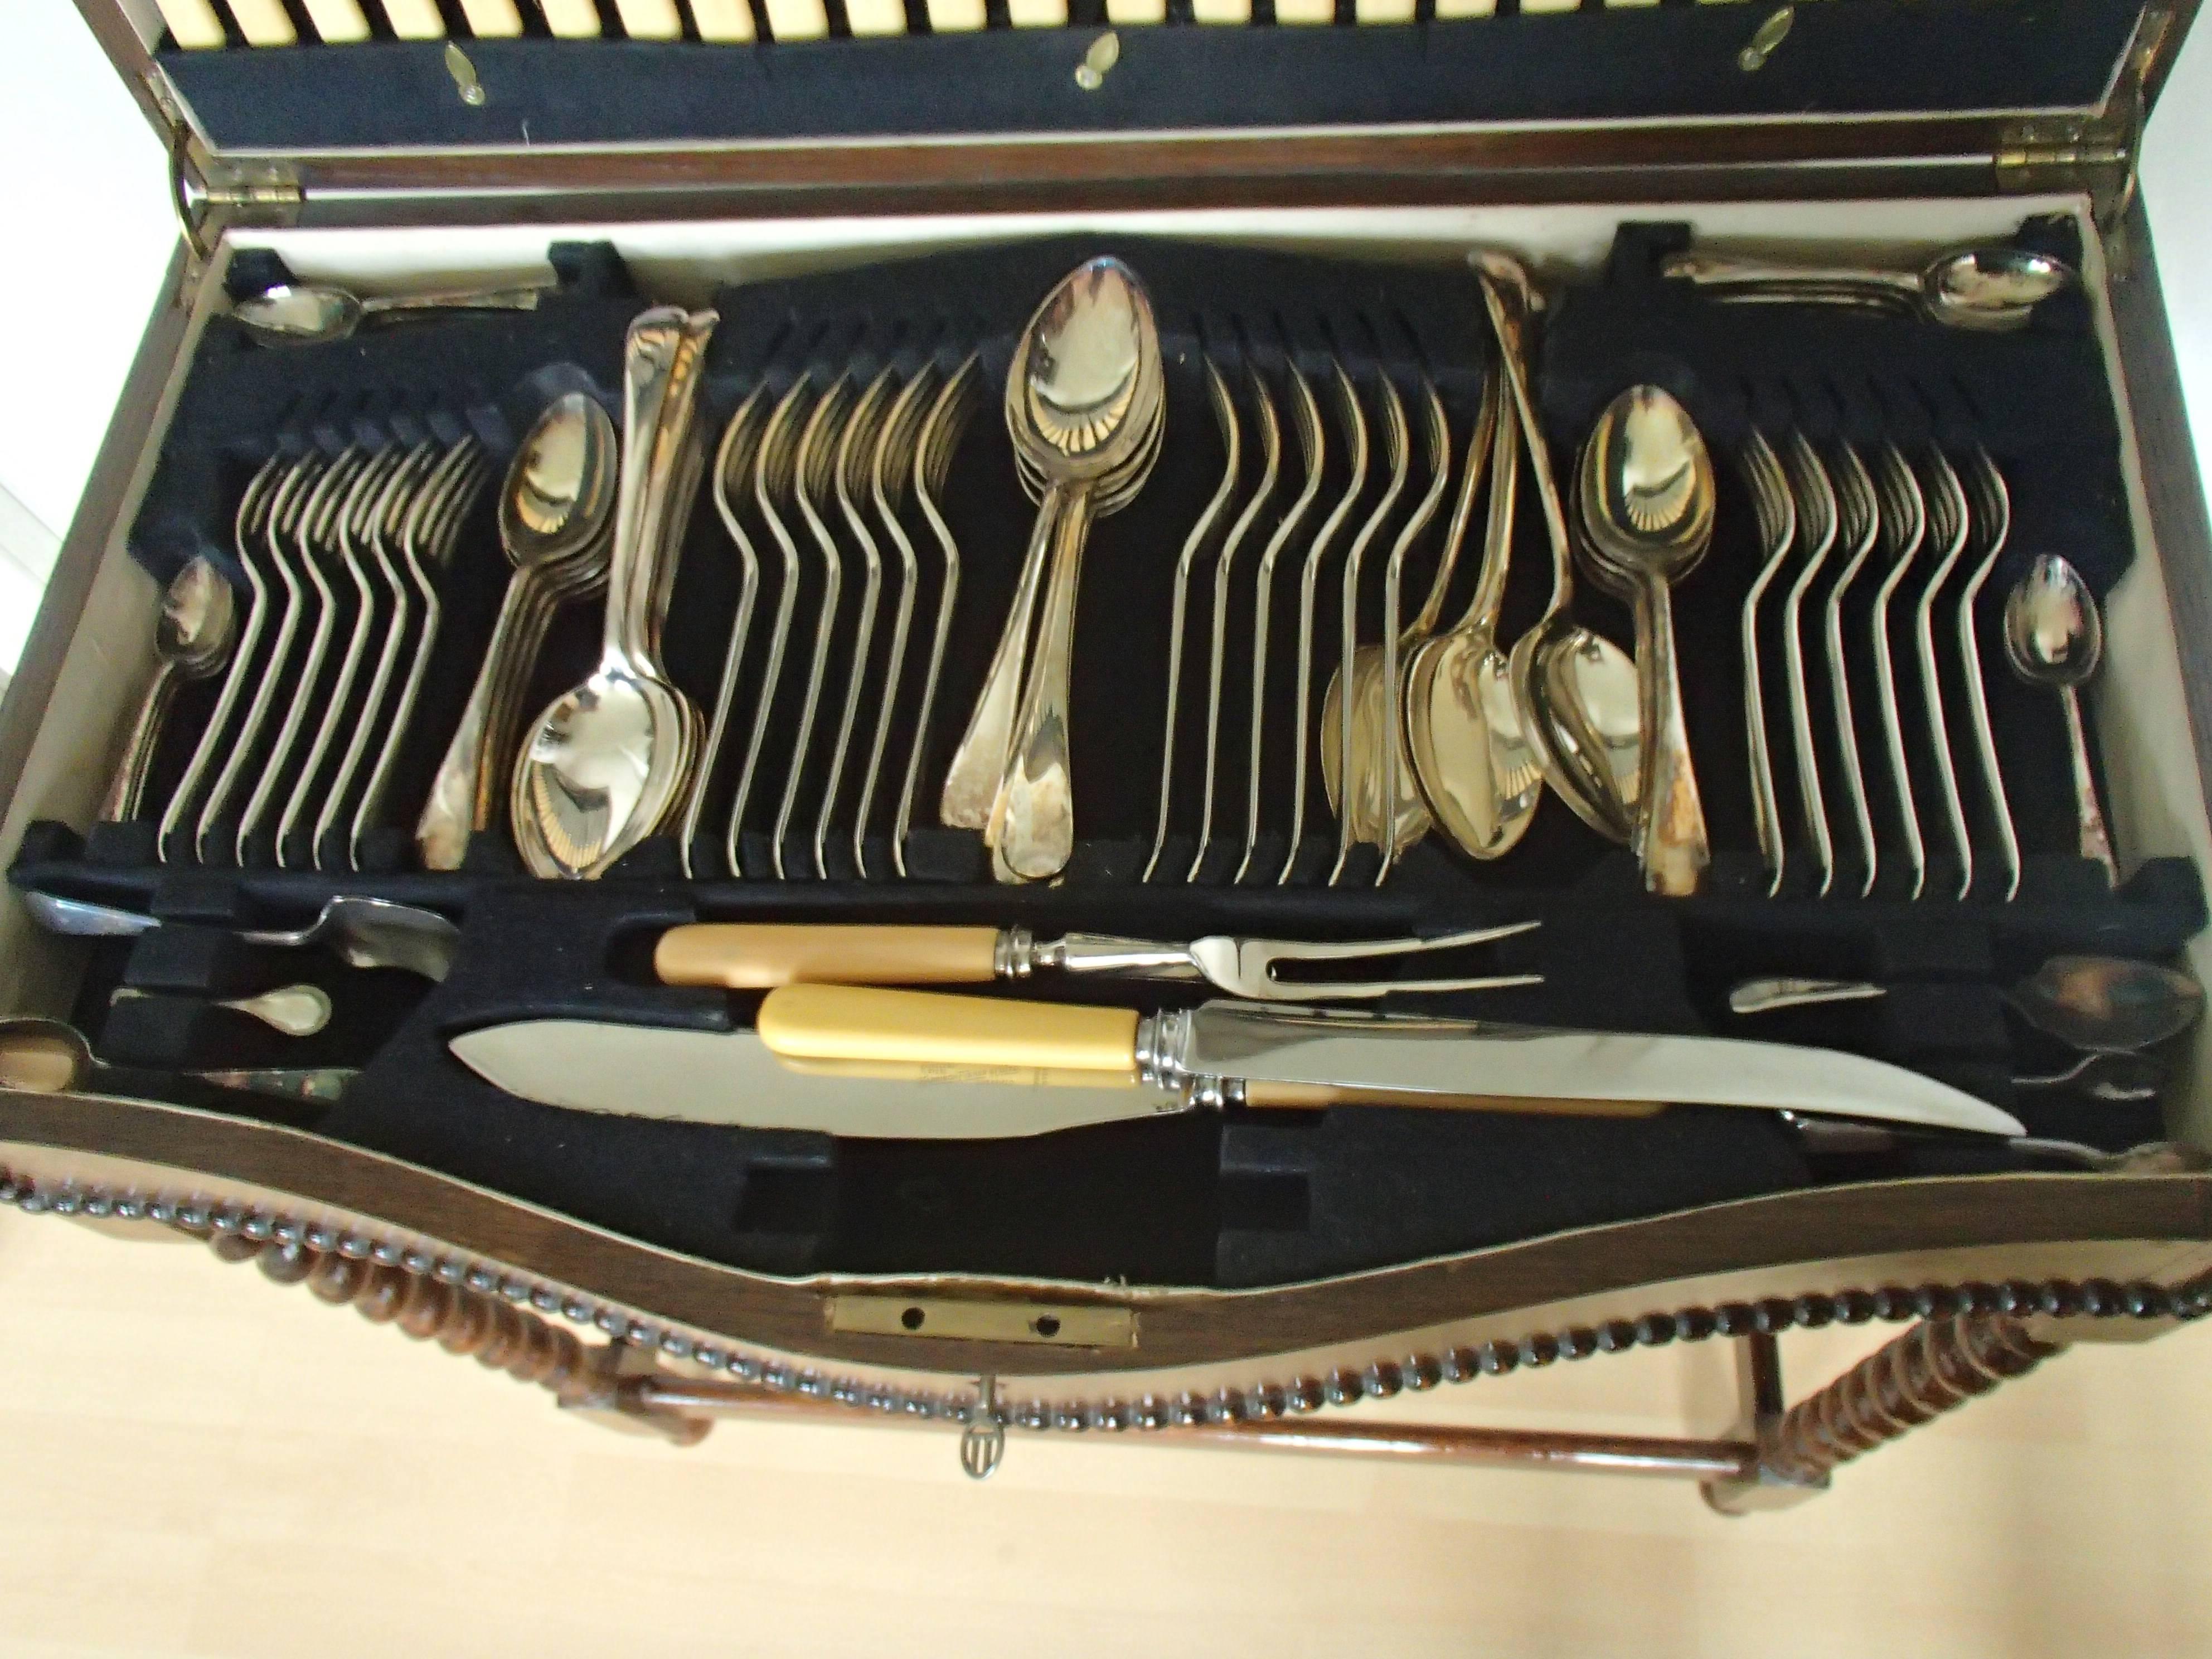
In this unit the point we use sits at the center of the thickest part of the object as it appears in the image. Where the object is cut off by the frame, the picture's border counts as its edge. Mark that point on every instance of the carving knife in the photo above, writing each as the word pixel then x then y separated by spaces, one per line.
pixel 851 1060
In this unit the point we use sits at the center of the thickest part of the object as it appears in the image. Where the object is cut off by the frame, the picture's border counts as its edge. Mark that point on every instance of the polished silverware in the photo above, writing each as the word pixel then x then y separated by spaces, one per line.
pixel 729 468
pixel 324 507
pixel 1225 418
pixel 774 478
pixel 193 638
pixel 363 933
pixel 1086 406
pixel 2103 1077
pixel 941 431
pixel 814 463
pixel 1991 289
pixel 1646 496
pixel 1817 517
pixel 1858 519
pixel 851 471
pixel 1384 702
pixel 1947 533
pixel 1395 460
pixel 253 506
pixel 285 507
pixel 1576 693
pixel 608 761
pixel 426 545
pixel 1476 769
pixel 387 516
pixel 302 314
pixel 756 957
pixel 1903 527
pixel 2056 638
pixel 1241 1052
pixel 351 522
pixel 890 475
pixel 1083 407
pixel 1402 813
pixel 555 506
pixel 1776 511
pixel 1313 450
pixel 296 1011
pixel 1271 455
pixel 1767 995
pixel 1992 520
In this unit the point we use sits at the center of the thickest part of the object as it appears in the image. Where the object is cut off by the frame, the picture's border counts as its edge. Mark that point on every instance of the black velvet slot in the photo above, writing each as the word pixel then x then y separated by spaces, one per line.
pixel 1249 1199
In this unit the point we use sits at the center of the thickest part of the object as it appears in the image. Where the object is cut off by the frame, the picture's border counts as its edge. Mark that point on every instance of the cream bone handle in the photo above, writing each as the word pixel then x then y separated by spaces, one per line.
pixel 760 955
pixel 860 1030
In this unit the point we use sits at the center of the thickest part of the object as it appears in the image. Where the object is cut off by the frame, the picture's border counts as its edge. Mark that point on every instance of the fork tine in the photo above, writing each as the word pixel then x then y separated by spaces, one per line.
pixel 1259 959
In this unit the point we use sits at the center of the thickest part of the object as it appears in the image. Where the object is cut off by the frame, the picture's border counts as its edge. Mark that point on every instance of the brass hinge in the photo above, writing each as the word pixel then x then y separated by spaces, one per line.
pixel 2095 156
pixel 211 195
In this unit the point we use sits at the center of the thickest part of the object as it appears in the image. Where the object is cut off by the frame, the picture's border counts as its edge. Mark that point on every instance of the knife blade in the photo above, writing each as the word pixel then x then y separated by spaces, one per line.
pixel 732 1079
pixel 1232 1054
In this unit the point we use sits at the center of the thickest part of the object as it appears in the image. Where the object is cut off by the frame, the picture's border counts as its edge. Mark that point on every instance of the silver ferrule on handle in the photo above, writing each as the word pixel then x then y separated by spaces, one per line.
pixel 1164 1044
pixel 1020 954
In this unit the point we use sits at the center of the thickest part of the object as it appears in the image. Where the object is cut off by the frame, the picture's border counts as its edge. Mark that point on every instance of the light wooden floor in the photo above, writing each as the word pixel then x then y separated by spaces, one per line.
pixel 196 1462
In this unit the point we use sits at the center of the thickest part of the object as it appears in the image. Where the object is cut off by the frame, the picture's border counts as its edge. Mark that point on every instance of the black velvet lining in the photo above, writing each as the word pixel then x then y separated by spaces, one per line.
pixel 1605 64
pixel 1254 1198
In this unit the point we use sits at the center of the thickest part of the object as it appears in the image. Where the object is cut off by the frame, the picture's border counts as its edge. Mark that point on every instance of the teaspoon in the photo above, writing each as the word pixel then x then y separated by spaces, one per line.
pixel 304 313
pixel 1988 288
pixel 2056 638
pixel 297 1011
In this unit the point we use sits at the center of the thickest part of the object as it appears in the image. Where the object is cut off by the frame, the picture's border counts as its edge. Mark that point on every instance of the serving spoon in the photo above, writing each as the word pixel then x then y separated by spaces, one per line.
pixel 1463 729
pixel 1576 693
pixel 1646 494
pixel 553 513
pixel 608 760
pixel 1085 406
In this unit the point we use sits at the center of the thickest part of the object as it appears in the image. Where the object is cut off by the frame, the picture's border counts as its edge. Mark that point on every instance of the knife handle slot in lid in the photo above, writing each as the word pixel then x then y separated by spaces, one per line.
pixel 849 1023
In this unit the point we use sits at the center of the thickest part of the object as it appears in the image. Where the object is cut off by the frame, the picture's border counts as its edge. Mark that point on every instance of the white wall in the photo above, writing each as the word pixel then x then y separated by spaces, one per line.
pixel 71 315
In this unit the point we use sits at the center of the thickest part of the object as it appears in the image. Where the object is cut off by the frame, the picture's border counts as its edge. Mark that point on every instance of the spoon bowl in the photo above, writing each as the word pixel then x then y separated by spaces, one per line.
pixel 1994 288
pixel 2108 1005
